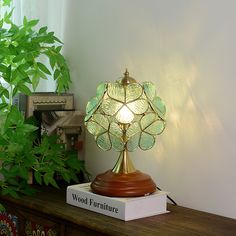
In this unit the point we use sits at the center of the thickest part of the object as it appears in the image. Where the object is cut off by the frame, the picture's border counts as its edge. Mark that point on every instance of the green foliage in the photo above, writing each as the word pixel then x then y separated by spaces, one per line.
pixel 21 153
pixel 19 157
pixel 21 51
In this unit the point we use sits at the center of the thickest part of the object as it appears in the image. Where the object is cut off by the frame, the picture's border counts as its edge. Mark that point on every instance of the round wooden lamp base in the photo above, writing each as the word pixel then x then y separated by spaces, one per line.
pixel 133 184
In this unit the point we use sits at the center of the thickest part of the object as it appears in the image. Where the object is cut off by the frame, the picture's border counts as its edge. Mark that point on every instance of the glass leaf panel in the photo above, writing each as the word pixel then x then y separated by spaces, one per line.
pixel 146 141
pixel 92 104
pixel 103 141
pixel 133 142
pixel 102 120
pixel 117 143
pixel 150 90
pixel 133 92
pixel 159 107
pixel 115 130
pixel 124 115
pixel 155 128
pixel 138 107
pixel 133 129
pixel 147 120
pixel 110 107
pixel 88 116
pixel 101 89
pixel 116 91
pixel 94 128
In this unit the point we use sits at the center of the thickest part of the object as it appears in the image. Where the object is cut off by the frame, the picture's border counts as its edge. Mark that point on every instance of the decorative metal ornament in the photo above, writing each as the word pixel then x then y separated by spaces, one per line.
pixel 123 116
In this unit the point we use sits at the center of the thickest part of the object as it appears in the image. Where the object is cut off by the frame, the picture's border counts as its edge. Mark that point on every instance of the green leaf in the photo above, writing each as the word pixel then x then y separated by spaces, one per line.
pixel 31 72
pixel 60 87
pixel 52 61
pixel 47 177
pixel 3 68
pixel 3 105
pixel 50 34
pixel 24 89
pixel 42 75
pixel 7 17
pixel 60 60
pixel 10 191
pixel 4 93
pixel 43 68
pixel 8 73
pixel 14 117
pixel 29 57
pixel 25 21
pixel 4 172
pixel 43 30
pixel 35 80
pixel 1 23
pixel 14 76
pixel 73 162
pixel 53 183
pixel 32 23
pixel 66 176
pixel 20 70
pixel 2 90
pixel 18 57
pixel 23 172
pixel 3 141
pixel 74 176
pixel 56 74
pixel 12 181
pixel 26 80
pixel 58 49
pixel 27 189
pixel 56 39
pixel 14 29
pixel 15 91
pixel 28 128
pixel 38 177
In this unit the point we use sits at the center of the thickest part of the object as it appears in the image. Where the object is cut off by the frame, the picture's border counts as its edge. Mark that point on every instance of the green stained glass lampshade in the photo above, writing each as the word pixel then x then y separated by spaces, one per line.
pixel 125 115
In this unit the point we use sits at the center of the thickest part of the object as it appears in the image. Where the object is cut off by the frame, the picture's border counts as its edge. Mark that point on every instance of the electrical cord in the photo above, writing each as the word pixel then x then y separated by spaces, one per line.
pixel 169 198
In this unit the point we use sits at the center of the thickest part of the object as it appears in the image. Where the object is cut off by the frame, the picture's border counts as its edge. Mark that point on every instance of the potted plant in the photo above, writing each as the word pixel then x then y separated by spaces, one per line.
pixel 21 68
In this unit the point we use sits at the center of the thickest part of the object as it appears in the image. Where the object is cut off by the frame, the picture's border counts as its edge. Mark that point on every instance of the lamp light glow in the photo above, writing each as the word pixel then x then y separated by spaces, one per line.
pixel 124 115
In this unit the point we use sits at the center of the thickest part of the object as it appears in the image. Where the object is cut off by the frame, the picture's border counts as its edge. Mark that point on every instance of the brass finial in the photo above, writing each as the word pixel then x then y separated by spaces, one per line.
pixel 127 79
pixel 126 74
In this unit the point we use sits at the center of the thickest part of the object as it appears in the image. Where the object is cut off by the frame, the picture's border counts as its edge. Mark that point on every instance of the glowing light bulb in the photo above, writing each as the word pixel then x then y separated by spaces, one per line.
pixel 124 115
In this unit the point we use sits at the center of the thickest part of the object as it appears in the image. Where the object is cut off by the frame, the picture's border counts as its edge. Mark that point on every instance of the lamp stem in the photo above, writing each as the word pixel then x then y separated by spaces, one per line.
pixel 123 165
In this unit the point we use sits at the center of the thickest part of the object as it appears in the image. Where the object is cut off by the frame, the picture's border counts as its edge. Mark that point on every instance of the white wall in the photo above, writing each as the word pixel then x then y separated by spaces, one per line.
pixel 187 48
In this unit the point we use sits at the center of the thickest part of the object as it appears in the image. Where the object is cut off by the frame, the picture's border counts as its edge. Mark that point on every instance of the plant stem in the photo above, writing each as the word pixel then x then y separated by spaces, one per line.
pixel 11 95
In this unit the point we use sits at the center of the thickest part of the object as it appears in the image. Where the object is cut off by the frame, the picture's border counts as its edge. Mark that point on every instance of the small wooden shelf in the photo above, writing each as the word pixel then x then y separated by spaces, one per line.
pixel 49 207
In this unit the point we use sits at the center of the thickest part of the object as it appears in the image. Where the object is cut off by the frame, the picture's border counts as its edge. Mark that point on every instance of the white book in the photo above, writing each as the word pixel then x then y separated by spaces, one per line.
pixel 123 208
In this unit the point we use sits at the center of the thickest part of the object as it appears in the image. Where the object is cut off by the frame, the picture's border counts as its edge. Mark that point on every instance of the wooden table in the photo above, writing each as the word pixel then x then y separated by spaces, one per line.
pixel 48 208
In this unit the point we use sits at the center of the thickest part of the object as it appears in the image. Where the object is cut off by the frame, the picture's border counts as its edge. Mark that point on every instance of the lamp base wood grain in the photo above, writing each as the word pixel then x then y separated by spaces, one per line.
pixel 133 184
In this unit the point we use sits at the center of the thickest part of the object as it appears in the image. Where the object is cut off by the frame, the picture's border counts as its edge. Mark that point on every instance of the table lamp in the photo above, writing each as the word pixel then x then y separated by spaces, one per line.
pixel 123 116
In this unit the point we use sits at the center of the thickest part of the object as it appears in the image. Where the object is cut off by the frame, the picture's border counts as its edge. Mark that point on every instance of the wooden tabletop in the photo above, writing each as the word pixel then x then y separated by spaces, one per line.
pixel 180 220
